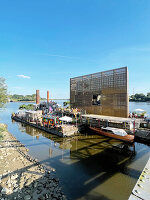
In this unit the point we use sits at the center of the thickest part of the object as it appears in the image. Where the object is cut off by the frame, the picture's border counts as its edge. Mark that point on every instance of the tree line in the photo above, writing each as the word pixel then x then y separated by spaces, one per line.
pixel 18 97
pixel 5 97
pixel 140 97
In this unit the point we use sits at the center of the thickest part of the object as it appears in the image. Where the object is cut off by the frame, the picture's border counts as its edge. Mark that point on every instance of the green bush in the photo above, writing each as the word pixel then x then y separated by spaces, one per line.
pixel 27 107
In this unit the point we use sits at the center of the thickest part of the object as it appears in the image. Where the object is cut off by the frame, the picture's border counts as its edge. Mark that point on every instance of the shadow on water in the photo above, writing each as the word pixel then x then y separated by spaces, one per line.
pixel 27 170
pixel 87 164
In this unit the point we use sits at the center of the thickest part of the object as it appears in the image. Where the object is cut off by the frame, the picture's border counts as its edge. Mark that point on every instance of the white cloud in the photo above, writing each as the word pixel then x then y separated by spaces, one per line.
pixel 23 76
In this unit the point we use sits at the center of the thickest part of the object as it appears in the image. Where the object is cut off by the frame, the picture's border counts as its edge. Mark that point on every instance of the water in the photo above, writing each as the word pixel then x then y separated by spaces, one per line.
pixel 88 166
pixel 142 105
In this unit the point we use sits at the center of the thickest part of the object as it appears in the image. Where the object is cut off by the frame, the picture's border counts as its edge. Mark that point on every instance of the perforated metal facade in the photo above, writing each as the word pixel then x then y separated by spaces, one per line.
pixel 103 93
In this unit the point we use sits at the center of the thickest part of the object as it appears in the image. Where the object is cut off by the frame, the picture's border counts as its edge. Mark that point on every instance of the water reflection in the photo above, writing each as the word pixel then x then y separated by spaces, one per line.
pixel 89 166
pixel 82 145
pixel 86 163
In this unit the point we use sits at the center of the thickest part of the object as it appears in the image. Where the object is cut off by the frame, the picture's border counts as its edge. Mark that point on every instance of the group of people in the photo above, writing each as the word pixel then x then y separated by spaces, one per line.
pixel 135 115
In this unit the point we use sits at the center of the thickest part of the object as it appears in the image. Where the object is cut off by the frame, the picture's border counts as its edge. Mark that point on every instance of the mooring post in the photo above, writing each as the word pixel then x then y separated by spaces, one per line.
pixel 134 128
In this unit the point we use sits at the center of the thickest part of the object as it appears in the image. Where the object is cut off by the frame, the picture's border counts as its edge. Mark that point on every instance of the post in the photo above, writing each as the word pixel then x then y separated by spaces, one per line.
pixel 37 96
pixel 98 123
pixel 76 119
pixel 107 123
pixel 134 128
pixel 47 96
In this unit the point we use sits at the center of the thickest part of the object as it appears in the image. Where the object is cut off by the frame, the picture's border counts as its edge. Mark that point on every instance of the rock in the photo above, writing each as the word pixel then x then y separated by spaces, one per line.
pixel 55 184
pixel 47 185
pixel 15 186
pixel 40 185
pixel 27 190
pixel 8 182
pixel 35 184
pixel 46 196
pixel 63 196
pixel 39 191
pixel 5 191
pixel 27 197
pixel 16 190
pixel 13 177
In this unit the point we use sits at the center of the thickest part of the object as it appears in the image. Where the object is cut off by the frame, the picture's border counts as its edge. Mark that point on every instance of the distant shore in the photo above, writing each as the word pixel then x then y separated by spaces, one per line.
pixel 139 101
pixel 35 101
pixel 21 101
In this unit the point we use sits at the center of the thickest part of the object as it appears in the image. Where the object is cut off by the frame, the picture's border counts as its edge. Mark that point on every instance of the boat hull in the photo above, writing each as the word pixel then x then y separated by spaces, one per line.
pixel 127 138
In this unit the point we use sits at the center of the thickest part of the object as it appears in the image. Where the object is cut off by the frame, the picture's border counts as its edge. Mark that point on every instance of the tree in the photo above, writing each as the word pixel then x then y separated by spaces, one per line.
pixel 140 96
pixel 148 96
pixel 17 96
pixel 3 92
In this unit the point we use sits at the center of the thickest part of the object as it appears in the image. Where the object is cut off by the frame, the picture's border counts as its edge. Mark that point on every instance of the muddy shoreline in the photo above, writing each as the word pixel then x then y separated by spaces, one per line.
pixel 21 176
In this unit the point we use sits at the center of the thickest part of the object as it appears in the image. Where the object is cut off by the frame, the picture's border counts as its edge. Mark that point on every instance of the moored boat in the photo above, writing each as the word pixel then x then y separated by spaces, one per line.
pixel 115 133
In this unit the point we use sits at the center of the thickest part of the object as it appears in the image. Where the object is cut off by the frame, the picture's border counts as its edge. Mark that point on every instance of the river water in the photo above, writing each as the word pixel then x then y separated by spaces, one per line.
pixel 88 166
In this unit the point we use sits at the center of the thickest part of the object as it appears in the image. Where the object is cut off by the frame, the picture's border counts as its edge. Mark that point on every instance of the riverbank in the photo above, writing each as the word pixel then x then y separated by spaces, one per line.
pixel 22 177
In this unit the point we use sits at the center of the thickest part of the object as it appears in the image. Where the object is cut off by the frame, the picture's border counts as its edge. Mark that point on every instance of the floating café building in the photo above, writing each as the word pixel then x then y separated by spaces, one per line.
pixel 103 98
pixel 102 93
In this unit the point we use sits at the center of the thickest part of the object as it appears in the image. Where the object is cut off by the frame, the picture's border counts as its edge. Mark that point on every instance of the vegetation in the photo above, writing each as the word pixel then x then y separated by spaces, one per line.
pixel 2 129
pixel 1 135
pixel 140 97
pixel 18 97
pixel 3 92
pixel 27 107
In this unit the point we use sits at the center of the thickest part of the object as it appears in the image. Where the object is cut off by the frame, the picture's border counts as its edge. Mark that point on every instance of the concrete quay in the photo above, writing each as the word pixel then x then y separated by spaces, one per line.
pixel 142 187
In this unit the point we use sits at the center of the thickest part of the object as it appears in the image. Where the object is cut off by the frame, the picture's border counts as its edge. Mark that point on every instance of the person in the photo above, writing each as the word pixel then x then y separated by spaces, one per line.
pixel 133 115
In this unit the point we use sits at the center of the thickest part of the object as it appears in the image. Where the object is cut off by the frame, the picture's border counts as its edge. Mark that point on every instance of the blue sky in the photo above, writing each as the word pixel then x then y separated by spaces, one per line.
pixel 47 42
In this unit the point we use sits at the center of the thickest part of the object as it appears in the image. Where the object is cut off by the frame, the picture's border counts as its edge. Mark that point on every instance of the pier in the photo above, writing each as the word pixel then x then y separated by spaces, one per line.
pixel 118 122
pixel 132 125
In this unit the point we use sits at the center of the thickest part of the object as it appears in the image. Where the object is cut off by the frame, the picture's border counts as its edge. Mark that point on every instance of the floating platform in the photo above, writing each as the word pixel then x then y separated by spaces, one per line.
pixel 142 187
pixel 118 122
pixel 142 136
pixel 62 131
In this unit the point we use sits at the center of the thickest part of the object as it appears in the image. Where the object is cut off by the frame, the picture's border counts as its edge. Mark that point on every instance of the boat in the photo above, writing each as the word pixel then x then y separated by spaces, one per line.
pixel 115 133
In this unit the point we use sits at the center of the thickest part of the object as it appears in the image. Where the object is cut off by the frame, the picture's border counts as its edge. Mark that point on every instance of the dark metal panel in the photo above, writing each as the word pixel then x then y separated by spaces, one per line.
pixel 111 87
